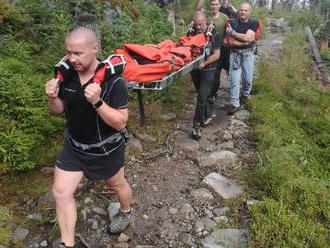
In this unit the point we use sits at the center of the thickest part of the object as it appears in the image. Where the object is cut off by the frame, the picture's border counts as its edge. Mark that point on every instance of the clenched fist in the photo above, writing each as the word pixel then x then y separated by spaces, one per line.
pixel 93 93
pixel 51 88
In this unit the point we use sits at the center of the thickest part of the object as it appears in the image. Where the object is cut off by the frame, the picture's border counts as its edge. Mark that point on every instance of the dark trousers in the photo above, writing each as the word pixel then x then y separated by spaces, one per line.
pixel 223 63
pixel 203 81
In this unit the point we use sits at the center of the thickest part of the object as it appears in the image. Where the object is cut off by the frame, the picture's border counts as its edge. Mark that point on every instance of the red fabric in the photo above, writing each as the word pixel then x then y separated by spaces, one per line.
pixel 198 40
pixel 146 51
pixel 100 75
pixel 167 44
pixel 147 63
pixel 258 32
pixel 144 73
pixel 59 76
pixel 182 52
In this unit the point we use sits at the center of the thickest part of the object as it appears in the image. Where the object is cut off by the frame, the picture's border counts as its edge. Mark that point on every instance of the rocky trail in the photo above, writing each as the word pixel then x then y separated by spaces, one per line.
pixel 187 194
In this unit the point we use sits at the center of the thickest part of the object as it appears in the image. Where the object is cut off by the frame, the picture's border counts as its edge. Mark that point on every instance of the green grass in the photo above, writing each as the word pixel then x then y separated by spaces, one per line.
pixel 6 216
pixel 291 117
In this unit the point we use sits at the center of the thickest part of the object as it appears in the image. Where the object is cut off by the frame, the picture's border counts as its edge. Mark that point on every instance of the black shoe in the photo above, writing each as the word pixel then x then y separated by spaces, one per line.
pixel 244 99
pixel 232 110
pixel 196 133
pixel 62 245
pixel 119 222
pixel 207 121
pixel 213 99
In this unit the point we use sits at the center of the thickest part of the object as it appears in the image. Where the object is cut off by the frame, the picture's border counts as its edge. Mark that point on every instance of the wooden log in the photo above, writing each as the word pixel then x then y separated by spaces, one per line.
pixel 325 78
pixel 324 43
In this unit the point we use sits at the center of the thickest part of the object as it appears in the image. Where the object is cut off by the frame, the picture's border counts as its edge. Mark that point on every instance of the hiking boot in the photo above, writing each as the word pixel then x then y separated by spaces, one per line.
pixel 232 110
pixel 119 222
pixel 244 99
pixel 62 245
pixel 196 133
pixel 212 99
pixel 207 121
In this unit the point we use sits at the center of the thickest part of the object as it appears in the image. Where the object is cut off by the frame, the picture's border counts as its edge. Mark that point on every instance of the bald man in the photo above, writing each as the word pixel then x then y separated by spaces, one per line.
pixel 241 35
pixel 203 77
pixel 94 147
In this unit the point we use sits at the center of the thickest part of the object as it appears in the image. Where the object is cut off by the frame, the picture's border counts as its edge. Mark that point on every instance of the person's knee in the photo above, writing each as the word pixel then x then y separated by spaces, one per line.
pixel 61 194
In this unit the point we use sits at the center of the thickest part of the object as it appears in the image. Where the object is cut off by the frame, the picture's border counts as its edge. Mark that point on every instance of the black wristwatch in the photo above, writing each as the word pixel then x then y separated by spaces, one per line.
pixel 98 104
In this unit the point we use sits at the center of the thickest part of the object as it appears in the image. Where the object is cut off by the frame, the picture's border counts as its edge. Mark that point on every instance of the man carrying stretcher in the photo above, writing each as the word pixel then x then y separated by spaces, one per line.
pixel 203 76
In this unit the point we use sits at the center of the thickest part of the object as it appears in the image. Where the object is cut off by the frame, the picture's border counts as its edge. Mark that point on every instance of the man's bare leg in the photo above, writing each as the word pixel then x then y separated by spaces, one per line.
pixel 123 190
pixel 65 184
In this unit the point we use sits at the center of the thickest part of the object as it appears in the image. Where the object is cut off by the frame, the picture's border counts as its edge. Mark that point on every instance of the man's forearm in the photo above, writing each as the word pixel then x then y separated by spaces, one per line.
pixel 55 106
pixel 248 37
pixel 116 118
pixel 213 57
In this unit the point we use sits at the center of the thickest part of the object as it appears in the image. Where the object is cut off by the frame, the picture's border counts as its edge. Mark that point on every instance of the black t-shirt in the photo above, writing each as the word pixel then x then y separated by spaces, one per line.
pixel 243 27
pixel 215 45
pixel 83 122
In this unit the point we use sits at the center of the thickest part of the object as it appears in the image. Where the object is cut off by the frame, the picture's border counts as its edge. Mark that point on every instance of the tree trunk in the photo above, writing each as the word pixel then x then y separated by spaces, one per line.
pixel 171 17
pixel 325 78
pixel 274 3
pixel 324 43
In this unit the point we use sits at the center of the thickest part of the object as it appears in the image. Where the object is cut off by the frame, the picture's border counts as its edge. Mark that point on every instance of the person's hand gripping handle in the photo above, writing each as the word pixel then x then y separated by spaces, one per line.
pixel 52 88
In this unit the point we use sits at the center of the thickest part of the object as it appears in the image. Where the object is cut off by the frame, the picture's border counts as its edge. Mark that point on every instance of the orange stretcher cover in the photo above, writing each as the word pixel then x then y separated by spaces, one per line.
pixel 148 63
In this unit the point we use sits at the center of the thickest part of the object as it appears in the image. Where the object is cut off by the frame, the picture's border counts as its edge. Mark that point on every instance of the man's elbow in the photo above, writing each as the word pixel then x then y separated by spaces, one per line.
pixel 120 126
pixel 55 112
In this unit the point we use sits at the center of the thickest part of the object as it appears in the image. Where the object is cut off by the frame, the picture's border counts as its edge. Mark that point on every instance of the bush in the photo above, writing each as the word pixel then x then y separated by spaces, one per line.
pixel 134 26
pixel 303 18
pixel 32 42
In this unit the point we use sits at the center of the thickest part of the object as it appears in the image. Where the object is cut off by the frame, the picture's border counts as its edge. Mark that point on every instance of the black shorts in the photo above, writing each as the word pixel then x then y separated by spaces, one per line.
pixel 94 167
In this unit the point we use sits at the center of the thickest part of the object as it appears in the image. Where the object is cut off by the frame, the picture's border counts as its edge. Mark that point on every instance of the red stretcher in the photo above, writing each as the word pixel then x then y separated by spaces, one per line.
pixel 154 67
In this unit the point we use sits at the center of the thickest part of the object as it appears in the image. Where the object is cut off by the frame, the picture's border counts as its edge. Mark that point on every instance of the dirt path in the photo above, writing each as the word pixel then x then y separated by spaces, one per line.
pixel 168 203
pixel 173 205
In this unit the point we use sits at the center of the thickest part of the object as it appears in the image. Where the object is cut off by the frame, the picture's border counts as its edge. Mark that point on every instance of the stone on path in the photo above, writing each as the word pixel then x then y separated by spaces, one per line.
pixel 145 246
pixel 20 234
pixel 36 216
pixel 121 245
pixel 134 144
pixel 221 211
pixel 242 114
pixel 226 145
pixel 99 211
pixel 221 158
pixel 225 187
pixel 170 116
pixel 44 243
pixel 226 238
pixel 204 223
pixel 186 144
pixel 202 194
pixel 145 138
pixel 123 238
